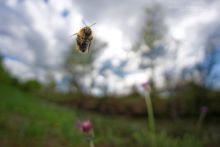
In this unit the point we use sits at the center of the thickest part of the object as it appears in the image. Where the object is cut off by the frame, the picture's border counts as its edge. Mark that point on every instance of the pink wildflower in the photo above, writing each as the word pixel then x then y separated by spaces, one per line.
pixel 85 126
pixel 204 109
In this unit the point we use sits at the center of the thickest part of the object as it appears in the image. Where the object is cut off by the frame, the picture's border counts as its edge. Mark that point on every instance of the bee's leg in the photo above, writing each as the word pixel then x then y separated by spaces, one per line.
pixel 90 42
pixel 77 48
pixel 78 43
pixel 90 38
pixel 89 47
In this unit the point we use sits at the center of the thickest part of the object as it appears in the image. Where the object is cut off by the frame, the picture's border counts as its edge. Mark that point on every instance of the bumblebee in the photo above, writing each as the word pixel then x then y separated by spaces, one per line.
pixel 84 38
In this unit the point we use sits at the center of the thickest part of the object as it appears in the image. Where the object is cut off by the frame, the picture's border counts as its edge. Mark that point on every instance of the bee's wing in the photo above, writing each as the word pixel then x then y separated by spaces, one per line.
pixel 92 24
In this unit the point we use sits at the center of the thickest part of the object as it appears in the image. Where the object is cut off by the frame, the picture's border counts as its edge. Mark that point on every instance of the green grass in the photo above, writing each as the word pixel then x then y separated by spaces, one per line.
pixel 29 121
pixel 25 120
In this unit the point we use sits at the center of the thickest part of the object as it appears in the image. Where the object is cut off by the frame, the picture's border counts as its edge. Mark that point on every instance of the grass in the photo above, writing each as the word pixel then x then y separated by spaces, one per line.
pixel 26 121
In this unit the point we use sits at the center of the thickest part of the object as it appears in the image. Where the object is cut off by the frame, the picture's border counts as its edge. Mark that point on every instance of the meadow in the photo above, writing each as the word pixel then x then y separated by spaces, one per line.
pixel 26 120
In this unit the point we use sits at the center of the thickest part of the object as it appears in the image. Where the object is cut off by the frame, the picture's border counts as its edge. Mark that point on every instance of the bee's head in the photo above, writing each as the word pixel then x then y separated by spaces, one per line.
pixel 88 31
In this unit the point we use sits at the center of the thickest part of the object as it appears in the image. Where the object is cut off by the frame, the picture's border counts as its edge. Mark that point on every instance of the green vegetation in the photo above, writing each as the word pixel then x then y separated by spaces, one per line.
pixel 29 121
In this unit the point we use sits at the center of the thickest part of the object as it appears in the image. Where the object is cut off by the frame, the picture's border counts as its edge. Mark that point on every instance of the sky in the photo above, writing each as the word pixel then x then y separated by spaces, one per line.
pixel 35 37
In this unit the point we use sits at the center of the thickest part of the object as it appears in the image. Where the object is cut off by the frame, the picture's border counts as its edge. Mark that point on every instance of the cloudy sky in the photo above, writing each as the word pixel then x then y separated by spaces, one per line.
pixel 34 38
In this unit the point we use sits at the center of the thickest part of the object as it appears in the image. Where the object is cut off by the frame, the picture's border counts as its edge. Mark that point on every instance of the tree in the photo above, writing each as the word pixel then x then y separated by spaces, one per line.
pixel 153 32
pixel 78 65
pixel 208 70
pixel 5 76
pixel 155 28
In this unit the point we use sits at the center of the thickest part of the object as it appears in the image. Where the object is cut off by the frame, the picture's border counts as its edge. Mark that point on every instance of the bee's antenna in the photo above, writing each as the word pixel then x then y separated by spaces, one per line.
pixel 73 34
pixel 92 24
pixel 84 22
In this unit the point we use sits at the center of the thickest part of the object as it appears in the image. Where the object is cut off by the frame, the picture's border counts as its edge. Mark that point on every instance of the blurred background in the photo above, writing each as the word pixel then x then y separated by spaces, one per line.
pixel 46 85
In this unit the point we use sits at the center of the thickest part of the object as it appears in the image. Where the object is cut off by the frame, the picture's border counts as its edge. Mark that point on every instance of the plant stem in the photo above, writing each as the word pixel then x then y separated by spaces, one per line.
pixel 150 118
pixel 201 119
pixel 91 143
pixel 150 113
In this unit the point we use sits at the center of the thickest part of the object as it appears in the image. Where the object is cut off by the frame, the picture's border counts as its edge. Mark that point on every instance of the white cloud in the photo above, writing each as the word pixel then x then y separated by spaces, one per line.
pixel 19 69
pixel 37 34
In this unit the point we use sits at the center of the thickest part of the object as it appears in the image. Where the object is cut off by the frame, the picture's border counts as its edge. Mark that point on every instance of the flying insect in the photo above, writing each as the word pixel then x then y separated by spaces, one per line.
pixel 84 38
